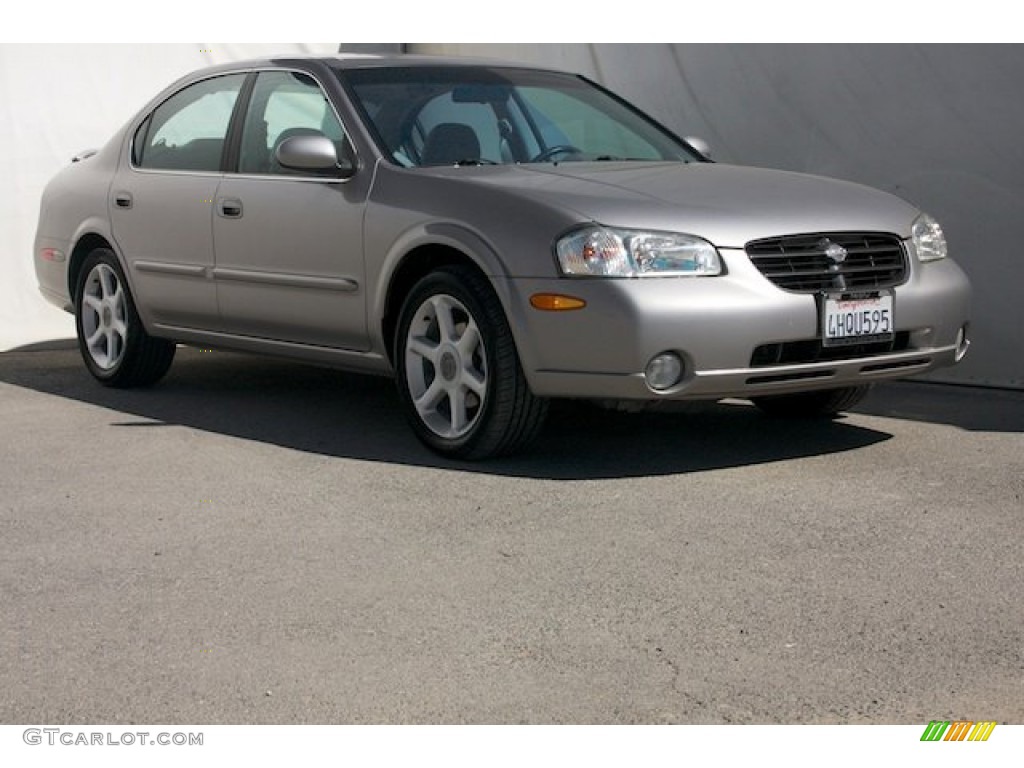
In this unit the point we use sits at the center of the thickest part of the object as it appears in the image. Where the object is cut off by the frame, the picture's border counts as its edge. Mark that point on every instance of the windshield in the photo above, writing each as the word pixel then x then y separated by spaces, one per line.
pixel 485 115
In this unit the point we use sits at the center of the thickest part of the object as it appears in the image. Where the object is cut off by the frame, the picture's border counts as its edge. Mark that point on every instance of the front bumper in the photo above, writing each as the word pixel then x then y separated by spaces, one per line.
pixel 715 324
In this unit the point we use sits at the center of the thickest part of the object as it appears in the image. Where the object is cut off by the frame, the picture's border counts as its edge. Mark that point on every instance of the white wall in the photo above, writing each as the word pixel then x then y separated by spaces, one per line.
pixel 940 125
pixel 56 100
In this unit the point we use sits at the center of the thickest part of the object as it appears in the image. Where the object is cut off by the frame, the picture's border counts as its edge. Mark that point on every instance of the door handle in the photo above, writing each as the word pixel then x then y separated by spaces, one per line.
pixel 229 208
pixel 123 199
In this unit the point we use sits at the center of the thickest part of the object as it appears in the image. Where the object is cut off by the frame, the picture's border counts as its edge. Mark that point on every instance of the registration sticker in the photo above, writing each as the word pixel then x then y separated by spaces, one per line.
pixel 857 319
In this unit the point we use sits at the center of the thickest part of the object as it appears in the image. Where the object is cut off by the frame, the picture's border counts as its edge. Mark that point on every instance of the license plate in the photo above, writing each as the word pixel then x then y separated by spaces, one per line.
pixel 857 319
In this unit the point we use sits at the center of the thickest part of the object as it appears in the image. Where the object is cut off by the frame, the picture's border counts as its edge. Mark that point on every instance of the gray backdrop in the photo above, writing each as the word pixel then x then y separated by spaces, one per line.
pixel 940 125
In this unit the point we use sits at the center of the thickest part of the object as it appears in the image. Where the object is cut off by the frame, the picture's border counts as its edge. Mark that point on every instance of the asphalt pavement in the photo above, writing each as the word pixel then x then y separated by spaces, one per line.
pixel 254 541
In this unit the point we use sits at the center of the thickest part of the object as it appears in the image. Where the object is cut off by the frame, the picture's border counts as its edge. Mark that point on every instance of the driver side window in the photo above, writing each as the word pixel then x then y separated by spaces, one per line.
pixel 283 105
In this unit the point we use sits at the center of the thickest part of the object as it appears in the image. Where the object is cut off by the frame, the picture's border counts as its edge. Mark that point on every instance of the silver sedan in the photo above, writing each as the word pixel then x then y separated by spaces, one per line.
pixel 492 236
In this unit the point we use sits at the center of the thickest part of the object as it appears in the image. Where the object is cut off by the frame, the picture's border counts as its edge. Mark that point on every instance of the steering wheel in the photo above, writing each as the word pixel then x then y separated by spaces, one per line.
pixel 558 149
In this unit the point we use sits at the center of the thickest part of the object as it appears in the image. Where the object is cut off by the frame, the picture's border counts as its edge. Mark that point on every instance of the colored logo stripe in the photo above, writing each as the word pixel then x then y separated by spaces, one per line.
pixel 982 730
pixel 958 730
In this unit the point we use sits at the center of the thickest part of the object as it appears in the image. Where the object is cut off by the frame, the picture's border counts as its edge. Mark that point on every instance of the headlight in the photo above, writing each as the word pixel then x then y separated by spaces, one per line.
pixel 929 242
pixel 600 251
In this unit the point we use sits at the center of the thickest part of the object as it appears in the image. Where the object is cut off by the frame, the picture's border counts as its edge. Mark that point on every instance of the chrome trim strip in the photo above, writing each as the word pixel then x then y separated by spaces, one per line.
pixel 280 177
pixel 175 172
pixel 164 268
pixel 340 284
pixel 722 383
pixel 854 365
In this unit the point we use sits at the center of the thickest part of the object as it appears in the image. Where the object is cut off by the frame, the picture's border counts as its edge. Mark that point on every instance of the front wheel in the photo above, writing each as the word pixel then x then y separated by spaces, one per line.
pixel 821 404
pixel 459 376
pixel 116 348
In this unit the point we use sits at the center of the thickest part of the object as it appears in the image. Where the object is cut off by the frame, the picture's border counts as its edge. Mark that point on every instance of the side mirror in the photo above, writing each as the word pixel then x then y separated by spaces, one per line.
pixel 313 153
pixel 700 145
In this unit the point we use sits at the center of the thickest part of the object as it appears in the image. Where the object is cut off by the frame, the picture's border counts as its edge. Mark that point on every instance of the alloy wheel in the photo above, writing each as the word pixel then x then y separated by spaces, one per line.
pixel 104 312
pixel 446 366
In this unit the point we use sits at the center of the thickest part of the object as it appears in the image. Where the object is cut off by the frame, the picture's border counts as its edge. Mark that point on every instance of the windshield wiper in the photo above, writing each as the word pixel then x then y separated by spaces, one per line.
pixel 476 161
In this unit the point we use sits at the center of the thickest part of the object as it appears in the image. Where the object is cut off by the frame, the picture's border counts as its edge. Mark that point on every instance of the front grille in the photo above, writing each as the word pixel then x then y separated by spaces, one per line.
pixel 812 351
pixel 859 261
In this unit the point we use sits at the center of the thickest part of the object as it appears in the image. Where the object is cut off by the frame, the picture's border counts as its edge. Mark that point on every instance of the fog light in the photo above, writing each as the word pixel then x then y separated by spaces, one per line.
pixel 664 371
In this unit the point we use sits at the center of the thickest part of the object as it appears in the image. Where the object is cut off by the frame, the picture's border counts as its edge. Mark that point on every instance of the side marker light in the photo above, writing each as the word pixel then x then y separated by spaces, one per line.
pixel 556 302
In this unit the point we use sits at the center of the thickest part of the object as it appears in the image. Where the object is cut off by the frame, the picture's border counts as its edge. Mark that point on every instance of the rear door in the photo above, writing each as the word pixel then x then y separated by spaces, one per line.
pixel 289 252
pixel 161 203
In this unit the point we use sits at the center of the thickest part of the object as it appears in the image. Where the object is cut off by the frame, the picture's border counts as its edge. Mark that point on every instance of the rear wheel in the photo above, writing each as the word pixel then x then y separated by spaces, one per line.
pixel 822 404
pixel 116 348
pixel 459 375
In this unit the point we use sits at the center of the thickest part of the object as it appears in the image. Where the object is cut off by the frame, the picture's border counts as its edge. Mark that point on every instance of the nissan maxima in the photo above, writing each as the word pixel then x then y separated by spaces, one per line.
pixel 491 236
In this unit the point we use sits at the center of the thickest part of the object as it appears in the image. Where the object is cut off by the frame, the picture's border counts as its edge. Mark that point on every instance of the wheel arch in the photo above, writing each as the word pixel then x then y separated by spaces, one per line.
pixel 414 266
pixel 91 235
pixel 422 251
pixel 86 244
pixel 483 380
pixel 129 356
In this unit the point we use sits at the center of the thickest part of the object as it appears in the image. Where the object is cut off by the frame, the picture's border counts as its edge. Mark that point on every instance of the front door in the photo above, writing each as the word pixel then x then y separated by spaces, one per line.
pixel 289 255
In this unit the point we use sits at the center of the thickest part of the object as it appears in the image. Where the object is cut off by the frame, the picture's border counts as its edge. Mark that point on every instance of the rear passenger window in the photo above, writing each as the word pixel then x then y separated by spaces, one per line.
pixel 187 132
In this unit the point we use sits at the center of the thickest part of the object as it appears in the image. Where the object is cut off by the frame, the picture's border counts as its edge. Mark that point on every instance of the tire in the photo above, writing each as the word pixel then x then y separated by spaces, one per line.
pixel 115 347
pixel 459 376
pixel 820 404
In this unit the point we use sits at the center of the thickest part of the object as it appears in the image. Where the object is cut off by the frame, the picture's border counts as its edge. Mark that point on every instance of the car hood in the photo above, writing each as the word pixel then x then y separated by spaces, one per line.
pixel 728 205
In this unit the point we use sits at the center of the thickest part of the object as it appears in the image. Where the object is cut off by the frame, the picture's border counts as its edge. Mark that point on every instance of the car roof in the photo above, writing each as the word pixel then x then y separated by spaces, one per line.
pixel 372 61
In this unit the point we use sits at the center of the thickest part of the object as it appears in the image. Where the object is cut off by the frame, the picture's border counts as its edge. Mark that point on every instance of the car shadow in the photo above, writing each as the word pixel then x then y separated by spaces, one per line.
pixel 974 409
pixel 334 413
